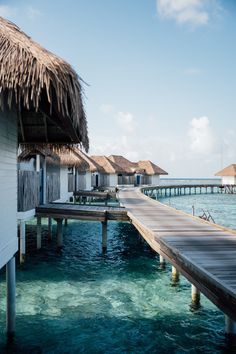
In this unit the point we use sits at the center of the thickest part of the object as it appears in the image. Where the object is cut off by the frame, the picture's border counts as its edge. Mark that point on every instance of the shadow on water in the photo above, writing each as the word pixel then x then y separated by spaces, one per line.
pixel 74 333
pixel 80 300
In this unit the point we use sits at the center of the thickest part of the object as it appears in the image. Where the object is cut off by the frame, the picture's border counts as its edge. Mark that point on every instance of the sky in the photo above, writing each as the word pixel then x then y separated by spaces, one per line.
pixel 160 75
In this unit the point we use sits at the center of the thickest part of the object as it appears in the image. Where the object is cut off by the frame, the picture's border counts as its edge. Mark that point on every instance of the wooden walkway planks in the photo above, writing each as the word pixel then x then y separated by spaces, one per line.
pixel 81 212
pixel 204 253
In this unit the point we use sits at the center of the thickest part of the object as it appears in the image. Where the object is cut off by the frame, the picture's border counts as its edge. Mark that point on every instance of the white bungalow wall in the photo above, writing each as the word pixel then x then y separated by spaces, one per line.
pixel 8 186
pixel 113 180
pixel 155 180
pixel 63 183
pixel 88 181
pixel 229 180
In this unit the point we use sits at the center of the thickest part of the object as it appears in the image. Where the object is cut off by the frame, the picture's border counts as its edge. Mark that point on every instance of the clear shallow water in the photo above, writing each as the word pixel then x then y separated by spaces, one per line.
pixel 84 301
pixel 222 207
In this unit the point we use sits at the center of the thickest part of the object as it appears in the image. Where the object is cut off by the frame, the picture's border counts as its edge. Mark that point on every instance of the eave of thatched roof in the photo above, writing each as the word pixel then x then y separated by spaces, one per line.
pixel 93 165
pixel 27 154
pixel 107 165
pixel 150 168
pixel 44 88
pixel 229 171
pixel 69 157
pixel 126 165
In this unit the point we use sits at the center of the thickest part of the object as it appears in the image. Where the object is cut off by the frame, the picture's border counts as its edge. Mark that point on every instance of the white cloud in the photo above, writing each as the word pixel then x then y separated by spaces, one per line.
pixel 106 108
pixel 7 11
pixel 202 139
pixel 194 12
pixel 126 121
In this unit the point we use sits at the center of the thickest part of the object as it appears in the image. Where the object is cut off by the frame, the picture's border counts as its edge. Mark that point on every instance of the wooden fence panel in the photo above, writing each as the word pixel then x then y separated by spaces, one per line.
pixel 71 182
pixel 53 186
pixel 28 190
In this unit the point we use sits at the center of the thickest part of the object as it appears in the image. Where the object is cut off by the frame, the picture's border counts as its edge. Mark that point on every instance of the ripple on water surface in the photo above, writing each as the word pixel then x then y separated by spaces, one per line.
pixel 84 301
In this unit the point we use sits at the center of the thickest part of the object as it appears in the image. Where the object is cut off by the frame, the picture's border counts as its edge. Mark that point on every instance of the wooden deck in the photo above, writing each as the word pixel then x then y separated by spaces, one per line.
pixel 81 212
pixel 204 253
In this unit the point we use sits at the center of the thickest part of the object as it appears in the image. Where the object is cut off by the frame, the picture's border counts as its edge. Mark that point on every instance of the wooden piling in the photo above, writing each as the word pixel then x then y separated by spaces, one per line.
pixel 174 276
pixel 22 241
pixel 230 327
pixel 49 229
pixel 195 294
pixel 11 296
pixel 39 233
pixel 162 262
pixel 104 235
pixel 59 233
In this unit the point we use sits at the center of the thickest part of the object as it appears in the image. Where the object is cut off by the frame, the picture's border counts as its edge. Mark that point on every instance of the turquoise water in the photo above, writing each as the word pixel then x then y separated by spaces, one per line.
pixel 222 207
pixel 81 300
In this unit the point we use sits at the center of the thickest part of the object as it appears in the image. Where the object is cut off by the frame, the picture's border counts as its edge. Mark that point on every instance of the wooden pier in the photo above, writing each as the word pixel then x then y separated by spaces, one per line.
pixel 204 253
pixel 187 189
pixel 81 212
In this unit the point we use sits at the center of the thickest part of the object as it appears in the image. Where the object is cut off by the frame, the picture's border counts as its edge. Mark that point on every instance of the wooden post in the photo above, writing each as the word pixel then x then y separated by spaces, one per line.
pixel 162 262
pixel 49 229
pixel 230 327
pixel 193 210
pixel 11 296
pixel 22 241
pixel 104 235
pixel 59 233
pixel 44 181
pixel 39 232
pixel 66 222
pixel 174 276
pixel 195 297
pixel 37 163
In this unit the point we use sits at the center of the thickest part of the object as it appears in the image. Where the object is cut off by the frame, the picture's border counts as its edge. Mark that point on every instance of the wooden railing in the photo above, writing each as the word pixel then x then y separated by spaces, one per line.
pixel 28 190
pixel 53 186
pixel 71 182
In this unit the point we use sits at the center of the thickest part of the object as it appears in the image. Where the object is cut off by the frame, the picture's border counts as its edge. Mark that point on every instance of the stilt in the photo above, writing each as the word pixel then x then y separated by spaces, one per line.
pixel 195 297
pixel 174 276
pixel 39 232
pixel 11 296
pixel 104 235
pixel 49 229
pixel 66 222
pixel 162 262
pixel 22 241
pixel 59 233
pixel 230 327
pixel 193 210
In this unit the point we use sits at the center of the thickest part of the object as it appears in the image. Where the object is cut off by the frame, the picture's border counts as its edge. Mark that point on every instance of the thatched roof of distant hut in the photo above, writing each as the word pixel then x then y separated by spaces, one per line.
pixel 150 168
pixel 107 165
pixel 227 171
pixel 93 165
pixel 69 157
pixel 125 164
pixel 44 88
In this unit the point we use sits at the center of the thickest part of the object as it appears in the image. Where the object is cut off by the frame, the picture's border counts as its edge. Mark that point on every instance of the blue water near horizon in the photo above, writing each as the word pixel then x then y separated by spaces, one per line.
pixel 81 300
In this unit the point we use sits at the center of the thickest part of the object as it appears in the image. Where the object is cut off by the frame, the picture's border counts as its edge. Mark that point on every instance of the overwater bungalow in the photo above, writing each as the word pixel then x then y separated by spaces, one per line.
pixel 109 171
pixel 137 173
pixel 228 175
pixel 41 103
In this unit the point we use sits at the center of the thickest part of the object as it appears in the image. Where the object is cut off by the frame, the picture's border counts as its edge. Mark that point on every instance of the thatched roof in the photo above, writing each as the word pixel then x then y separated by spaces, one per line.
pixel 93 166
pixel 27 154
pixel 125 164
pixel 107 165
pixel 44 88
pixel 150 168
pixel 227 171
pixel 69 157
